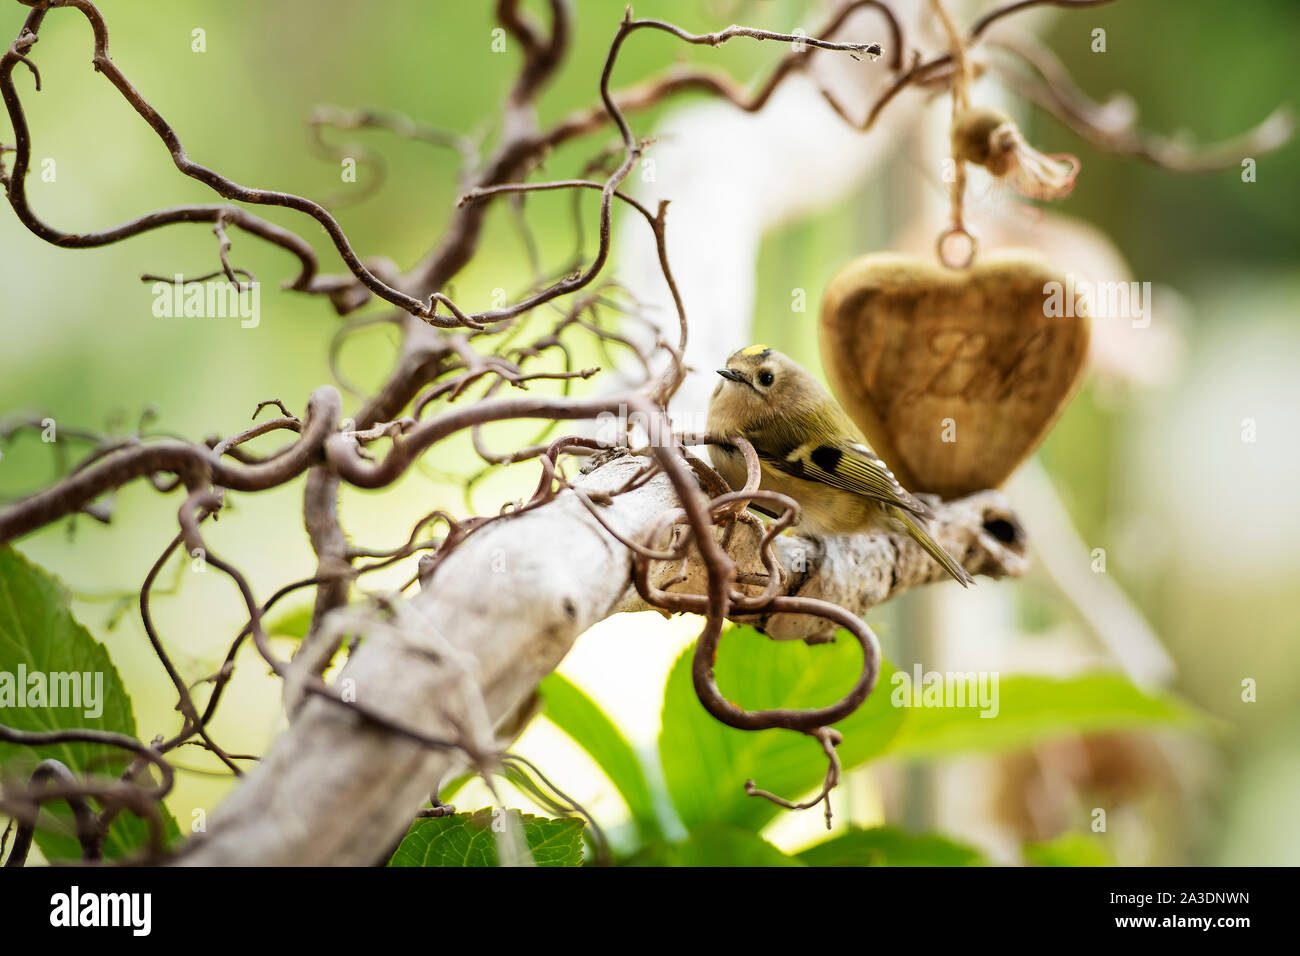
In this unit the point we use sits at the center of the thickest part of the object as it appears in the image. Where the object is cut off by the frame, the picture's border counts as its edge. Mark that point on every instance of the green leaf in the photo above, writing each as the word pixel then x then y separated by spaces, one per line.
pixel 467 839
pixel 1031 710
pixel 293 622
pixel 715 844
pixel 39 635
pixel 889 846
pixel 706 763
pixel 587 725
pixel 721 845
pixel 1070 849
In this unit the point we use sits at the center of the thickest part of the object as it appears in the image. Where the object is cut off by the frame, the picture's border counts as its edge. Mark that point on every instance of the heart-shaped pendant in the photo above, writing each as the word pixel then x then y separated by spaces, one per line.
pixel 955 376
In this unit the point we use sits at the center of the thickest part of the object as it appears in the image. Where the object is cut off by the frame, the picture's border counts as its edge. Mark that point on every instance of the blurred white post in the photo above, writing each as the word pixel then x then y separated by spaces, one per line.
pixel 732 177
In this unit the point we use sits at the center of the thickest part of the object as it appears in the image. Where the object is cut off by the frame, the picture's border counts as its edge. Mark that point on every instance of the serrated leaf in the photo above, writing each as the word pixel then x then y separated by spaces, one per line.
pixel 588 726
pixel 1069 849
pixel 890 846
pixel 39 634
pixel 467 839
pixel 706 763
pixel 1030 710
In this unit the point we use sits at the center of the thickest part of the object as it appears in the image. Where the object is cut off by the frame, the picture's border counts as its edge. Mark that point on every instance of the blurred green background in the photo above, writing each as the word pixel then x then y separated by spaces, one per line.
pixel 1215 520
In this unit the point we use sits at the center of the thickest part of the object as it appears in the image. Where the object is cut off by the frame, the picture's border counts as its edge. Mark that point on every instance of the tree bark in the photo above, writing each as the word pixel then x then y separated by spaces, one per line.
pixel 498 615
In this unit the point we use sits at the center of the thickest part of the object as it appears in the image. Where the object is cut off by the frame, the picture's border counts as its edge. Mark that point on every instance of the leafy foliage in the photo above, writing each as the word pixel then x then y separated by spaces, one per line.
pixel 38 632
pixel 706 763
pixel 469 839
pixel 719 844
pixel 1070 849
pixel 889 846
pixel 578 716
pixel 1034 709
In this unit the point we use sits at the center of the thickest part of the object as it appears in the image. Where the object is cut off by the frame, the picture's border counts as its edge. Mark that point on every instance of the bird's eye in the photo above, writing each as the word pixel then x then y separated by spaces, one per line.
pixel 766 378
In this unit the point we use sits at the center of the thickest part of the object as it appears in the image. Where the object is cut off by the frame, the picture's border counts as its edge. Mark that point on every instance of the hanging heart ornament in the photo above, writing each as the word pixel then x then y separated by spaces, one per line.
pixel 955 376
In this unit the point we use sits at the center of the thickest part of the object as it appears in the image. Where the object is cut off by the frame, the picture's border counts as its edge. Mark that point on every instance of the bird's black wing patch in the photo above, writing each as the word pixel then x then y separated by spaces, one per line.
pixel 826 457
pixel 851 467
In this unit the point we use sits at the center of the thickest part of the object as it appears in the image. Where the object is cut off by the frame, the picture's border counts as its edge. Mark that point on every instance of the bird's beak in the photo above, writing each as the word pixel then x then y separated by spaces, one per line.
pixel 733 375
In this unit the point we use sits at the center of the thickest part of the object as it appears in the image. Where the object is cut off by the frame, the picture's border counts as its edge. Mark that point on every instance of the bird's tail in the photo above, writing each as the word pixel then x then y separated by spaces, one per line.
pixel 917 532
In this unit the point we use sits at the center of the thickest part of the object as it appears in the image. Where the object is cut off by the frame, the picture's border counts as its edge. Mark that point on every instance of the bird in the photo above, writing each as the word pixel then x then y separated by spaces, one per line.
pixel 809 448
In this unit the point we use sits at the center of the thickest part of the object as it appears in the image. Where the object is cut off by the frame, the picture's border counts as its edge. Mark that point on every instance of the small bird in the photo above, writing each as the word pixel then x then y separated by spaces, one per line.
pixel 810 449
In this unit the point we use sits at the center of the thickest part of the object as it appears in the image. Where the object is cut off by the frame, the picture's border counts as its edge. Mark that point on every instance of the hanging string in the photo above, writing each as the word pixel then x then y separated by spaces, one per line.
pixel 961 81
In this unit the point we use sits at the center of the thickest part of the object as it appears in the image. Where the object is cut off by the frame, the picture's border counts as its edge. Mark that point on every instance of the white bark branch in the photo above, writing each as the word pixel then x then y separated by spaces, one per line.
pixel 499 614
